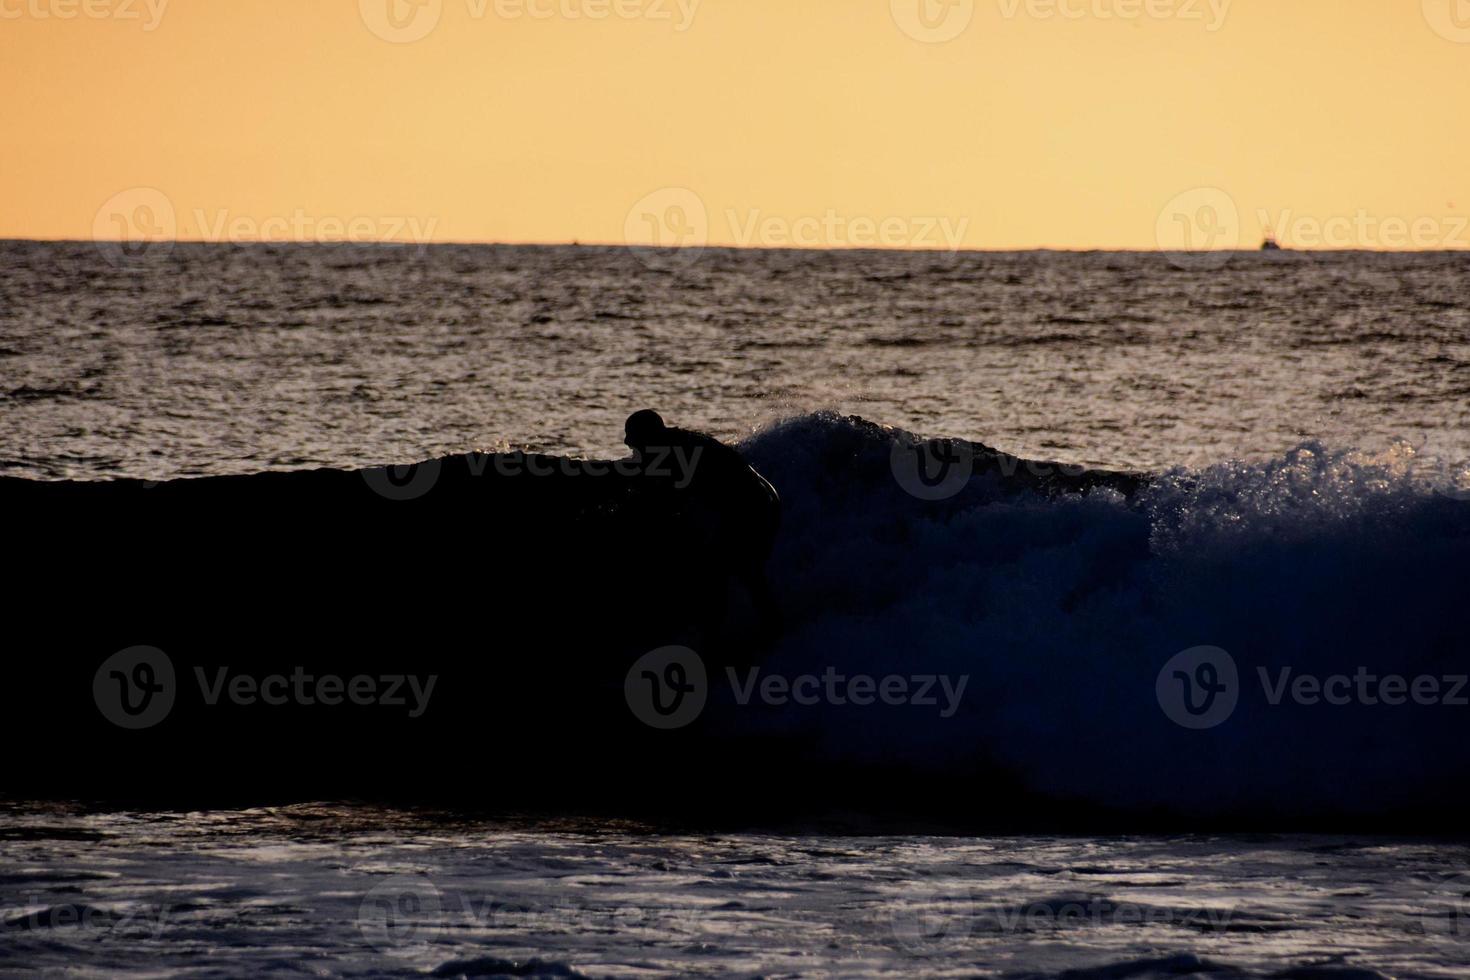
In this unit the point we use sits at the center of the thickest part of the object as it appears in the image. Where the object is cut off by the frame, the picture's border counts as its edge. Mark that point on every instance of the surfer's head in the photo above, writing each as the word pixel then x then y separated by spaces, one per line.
pixel 644 429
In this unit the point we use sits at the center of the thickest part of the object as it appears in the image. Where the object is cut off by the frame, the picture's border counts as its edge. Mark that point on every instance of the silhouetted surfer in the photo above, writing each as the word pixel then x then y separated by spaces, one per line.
pixel 728 511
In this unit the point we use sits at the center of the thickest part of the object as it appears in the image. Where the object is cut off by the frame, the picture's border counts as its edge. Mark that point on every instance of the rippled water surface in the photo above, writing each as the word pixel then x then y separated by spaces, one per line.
pixel 330 891
pixel 213 359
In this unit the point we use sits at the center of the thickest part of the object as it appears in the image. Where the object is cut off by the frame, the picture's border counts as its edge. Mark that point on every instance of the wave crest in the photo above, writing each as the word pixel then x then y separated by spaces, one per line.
pixel 1063 609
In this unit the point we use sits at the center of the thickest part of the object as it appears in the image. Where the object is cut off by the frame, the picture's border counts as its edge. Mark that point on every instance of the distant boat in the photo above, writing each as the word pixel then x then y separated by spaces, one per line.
pixel 1270 244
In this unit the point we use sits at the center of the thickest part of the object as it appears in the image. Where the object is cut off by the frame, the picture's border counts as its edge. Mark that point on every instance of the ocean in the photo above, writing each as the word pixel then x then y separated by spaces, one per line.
pixel 1304 417
pixel 209 359
pixel 333 891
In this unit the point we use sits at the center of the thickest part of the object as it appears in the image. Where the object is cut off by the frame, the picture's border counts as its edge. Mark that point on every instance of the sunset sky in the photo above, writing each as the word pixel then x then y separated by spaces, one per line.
pixel 974 123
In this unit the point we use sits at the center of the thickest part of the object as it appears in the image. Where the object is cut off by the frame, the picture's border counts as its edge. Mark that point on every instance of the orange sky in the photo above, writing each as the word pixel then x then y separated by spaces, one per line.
pixel 974 123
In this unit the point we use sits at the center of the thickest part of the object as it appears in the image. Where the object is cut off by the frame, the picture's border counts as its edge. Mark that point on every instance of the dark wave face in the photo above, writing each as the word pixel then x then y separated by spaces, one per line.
pixel 1090 646
pixel 1139 626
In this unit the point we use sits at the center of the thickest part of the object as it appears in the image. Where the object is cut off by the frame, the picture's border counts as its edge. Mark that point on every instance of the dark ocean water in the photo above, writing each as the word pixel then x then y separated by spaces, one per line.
pixel 331 891
pixel 1311 412
pixel 224 359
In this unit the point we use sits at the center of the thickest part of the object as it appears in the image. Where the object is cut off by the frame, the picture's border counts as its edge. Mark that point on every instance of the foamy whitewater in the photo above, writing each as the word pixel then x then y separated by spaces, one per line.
pixel 1075 603
pixel 1307 417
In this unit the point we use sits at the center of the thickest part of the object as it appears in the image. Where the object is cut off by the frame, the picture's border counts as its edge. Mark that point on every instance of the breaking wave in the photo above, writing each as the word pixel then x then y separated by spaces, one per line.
pixel 1062 610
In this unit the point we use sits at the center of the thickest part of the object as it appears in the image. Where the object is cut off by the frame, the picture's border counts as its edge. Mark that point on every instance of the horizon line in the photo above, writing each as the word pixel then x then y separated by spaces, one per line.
pixel 712 246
